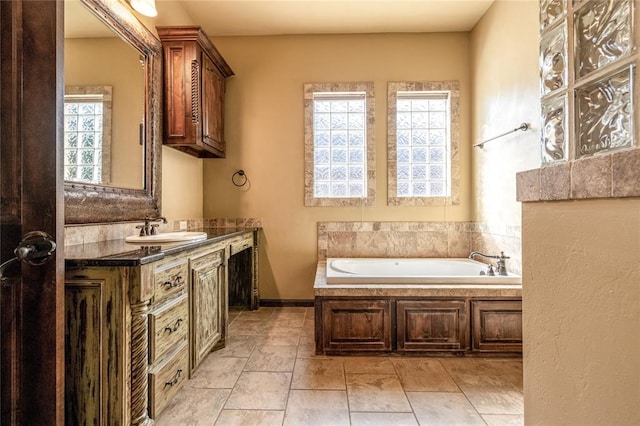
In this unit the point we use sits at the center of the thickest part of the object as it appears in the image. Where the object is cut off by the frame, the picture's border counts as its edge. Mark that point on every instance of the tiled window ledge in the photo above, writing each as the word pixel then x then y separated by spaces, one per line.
pixel 615 175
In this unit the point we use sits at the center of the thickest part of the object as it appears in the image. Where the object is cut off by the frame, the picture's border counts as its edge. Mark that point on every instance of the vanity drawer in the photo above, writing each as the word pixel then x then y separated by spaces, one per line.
pixel 167 379
pixel 242 243
pixel 170 279
pixel 168 325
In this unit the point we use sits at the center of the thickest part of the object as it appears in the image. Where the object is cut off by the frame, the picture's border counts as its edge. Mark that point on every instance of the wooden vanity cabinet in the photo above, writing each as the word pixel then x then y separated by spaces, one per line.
pixel 134 334
pixel 194 90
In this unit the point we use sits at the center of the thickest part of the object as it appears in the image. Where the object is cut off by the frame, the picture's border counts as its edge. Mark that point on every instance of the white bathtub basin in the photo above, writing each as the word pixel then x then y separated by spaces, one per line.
pixel 167 237
pixel 413 271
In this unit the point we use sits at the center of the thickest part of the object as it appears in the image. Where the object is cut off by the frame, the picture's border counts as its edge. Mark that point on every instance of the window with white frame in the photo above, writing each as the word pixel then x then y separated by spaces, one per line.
pixel 423 143
pixel 339 151
pixel 87 134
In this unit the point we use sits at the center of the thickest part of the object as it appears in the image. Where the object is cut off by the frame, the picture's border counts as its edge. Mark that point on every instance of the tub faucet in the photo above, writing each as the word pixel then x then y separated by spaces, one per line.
pixel 501 264
pixel 150 228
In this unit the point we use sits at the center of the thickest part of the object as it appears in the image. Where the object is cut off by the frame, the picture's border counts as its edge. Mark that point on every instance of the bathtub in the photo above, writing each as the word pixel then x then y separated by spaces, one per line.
pixel 450 271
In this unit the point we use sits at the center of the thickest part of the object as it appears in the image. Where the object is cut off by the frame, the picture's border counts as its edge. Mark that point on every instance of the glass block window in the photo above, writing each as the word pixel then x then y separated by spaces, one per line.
pixel 420 143
pixel 339 144
pixel 587 109
pixel 86 126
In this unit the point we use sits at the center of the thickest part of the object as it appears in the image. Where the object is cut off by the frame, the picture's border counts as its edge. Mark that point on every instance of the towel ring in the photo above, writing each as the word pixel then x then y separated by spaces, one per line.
pixel 240 180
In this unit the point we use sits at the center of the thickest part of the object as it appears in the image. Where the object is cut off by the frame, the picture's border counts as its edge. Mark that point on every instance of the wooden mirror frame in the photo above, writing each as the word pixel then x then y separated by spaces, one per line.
pixel 87 203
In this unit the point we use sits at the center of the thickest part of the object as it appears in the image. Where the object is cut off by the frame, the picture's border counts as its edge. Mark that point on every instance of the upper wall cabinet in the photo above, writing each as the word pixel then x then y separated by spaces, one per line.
pixel 194 87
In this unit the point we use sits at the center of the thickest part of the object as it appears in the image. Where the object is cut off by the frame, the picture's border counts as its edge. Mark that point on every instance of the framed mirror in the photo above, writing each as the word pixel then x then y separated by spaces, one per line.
pixel 112 114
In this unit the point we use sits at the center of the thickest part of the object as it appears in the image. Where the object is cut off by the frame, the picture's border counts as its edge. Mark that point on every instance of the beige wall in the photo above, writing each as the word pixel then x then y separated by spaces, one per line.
pixel 504 63
pixel 264 133
pixel 90 62
pixel 581 300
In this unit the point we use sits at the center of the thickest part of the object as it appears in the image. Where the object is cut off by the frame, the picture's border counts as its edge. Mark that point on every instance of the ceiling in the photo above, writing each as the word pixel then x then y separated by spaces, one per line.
pixel 276 17
pixel 270 17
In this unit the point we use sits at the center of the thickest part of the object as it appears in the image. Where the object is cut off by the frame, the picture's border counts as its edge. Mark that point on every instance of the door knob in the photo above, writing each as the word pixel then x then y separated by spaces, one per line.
pixel 36 248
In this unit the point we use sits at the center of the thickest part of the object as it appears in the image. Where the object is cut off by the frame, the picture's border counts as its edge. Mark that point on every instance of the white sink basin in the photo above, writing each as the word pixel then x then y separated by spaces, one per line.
pixel 167 237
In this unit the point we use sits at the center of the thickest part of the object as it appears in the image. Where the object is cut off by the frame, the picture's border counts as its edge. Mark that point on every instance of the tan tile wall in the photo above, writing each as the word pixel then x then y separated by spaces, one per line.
pixel 91 233
pixel 418 239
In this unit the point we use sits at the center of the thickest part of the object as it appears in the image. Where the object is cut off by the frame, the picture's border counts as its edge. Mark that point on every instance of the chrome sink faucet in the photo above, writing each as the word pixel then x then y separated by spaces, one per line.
pixel 501 264
pixel 150 228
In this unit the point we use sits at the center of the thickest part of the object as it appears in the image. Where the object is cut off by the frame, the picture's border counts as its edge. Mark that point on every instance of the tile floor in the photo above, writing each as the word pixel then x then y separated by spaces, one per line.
pixel 268 374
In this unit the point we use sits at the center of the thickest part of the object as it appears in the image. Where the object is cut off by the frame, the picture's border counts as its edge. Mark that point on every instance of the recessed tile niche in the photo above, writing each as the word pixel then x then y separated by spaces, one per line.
pixel 587 73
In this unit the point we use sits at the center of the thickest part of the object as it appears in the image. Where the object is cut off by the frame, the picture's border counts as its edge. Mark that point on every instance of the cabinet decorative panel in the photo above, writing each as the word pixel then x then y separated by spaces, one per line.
pixel 432 325
pixel 97 348
pixel 603 34
pixel 356 325
pixel 497 325
pixel 554 129
pixel 83 350
pixel 208 304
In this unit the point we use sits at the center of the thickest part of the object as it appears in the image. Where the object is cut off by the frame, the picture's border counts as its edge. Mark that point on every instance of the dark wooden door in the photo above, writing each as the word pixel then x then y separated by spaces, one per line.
pixel 31 297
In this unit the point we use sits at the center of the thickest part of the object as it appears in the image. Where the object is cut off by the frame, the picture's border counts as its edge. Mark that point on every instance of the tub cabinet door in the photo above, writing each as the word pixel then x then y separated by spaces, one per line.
pixel 497 325
pixel 355 326
pixel 432 325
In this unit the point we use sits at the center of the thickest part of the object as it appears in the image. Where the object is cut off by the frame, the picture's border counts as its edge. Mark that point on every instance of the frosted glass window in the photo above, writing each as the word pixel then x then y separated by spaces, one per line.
pixel 554 129
pixel 87 134
pixel 605 114
pixel 603 34
pixel 422 144
pixel 553 60
pixel 551 11
pixel 339 137
pixel 339 144
pixel 83 130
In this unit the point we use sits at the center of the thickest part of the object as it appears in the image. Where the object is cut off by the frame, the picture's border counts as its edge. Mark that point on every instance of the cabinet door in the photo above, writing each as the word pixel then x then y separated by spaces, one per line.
pixel 497 325
pixel 208 304
pixel 212 106
pixel 432 325
pixel 96 347
pixel 356 325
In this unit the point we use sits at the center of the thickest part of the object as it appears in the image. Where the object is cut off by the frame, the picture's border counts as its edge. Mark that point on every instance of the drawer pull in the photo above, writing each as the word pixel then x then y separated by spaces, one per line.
pixel 175 326
pixel 177 282
pixel 175 380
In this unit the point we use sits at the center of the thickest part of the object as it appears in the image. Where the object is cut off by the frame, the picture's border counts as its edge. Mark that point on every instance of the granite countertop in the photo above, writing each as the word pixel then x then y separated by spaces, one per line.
pixel 321 288
pixel 121 253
